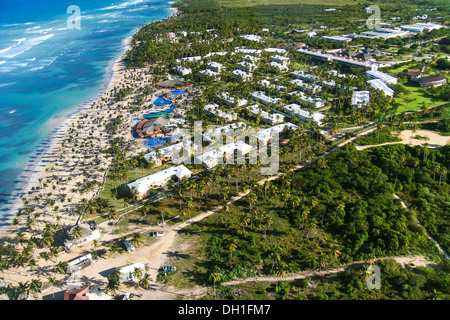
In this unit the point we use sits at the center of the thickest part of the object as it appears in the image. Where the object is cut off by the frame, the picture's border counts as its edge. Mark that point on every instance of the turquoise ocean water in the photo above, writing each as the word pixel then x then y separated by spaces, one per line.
pixel 48 68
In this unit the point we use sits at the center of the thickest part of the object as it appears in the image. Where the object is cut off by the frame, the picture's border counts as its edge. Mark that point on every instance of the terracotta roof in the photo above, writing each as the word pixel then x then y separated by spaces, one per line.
pixel 77 294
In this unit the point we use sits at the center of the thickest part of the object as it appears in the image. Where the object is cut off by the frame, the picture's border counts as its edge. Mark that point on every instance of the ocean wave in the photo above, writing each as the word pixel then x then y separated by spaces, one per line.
pixel 43 31
pixel 2 62
pixel 27 45
pixel 16 24
pixel 6 84
pixel 122 5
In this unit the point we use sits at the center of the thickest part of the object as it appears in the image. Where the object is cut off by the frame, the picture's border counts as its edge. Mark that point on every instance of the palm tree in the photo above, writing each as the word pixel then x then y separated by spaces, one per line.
pixel 113 283
pixel 35 286
pixel 232 247
pixel 51 281
pixel 24 288
pixel 60 268
pixel 137 273
pixel 145 281
pixel 137 239
pixel 77 232
pixel 215 276
pixel 280 272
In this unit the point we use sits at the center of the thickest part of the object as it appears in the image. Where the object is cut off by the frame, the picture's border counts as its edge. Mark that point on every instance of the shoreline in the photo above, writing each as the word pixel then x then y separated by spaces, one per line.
pixel 57 125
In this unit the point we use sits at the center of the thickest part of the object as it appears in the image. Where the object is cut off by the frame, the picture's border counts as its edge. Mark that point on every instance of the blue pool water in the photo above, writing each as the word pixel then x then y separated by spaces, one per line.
pixel 47 69
pixel 149 115
pixel 160 102
pixel 176 92
pixel 154 142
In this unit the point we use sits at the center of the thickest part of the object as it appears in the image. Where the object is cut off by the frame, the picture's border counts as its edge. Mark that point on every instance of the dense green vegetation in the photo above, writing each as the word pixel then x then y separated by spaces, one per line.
pixel 379 136
pixel 338 210
pixel 397 283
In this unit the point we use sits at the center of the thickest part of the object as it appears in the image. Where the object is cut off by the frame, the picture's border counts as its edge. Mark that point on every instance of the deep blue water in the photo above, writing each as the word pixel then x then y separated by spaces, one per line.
pixel 48 69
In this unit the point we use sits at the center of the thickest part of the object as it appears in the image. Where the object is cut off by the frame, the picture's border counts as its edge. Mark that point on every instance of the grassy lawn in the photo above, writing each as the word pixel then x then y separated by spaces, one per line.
pixel 416 99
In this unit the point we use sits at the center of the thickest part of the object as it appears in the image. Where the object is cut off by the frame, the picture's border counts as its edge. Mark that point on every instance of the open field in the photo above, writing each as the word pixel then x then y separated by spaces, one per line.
pixel 416 99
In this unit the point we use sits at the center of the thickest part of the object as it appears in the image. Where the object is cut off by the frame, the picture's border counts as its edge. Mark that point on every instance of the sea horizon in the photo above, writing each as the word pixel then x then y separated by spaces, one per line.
pixel 50 107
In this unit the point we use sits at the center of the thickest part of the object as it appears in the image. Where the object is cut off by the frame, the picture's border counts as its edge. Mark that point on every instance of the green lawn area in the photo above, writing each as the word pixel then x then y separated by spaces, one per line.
pixel 416 99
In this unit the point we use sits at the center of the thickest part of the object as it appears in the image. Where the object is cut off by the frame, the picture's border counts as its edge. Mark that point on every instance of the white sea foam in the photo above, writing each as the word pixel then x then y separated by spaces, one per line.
pixel 2 62
pixel 6 84
pixel 27 45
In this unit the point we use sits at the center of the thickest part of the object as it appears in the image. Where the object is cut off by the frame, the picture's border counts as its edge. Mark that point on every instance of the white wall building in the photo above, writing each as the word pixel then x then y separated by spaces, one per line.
pixel 304 115
pixel 231 101
pixel 374 73
pixel 360 99
pixel 380 85
pixel 175 150
pixel 213 110
pixel 158 179
pixel 223 154
pixel 278 67
pixel 266 100
pixel 281 59
pixel 215 66
pixel 217 133
pixel 270 118
pixel 241 75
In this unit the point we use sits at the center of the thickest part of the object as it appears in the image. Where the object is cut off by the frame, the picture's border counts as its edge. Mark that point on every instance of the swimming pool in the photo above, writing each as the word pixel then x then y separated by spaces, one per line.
pixel 160 102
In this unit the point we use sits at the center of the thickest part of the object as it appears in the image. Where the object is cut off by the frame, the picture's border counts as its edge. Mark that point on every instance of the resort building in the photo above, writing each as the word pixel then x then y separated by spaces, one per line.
pixel 214 111
pixel 270 118
pixel 252 37
pixel 312 102
pixel 343 39
pixel 281 59
pixel 155 180
pixel 262 98
pixel 254 52
pixel 380 85
pixel 296 110
pixel 183 71
pixel 185 147
pixel 246 66
pixel 265 135
pixel 374 73
pixel 421 27
pixel 241 75
pixel 384 33
pixel 151 127
pixel 360 99
pixel 191 59
pixel 209 75
pixel 278 67
pixel 275 50
pixel 265 84
pixel 251 58
pixel 231 101
pixel 215 66
pixel 432 81
pixel 224 154
pixel 217 133
pixel 329 58
pixel 300 74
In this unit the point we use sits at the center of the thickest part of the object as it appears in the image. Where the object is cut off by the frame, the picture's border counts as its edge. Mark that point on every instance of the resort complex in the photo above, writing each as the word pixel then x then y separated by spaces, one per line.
pixel 244 150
